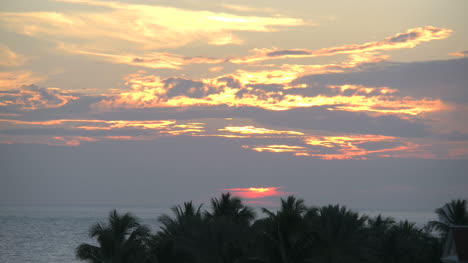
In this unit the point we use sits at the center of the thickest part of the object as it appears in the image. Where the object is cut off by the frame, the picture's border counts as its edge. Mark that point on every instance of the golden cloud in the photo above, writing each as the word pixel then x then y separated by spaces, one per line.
pixel 152 92
pixel 151 26
pixel 277 148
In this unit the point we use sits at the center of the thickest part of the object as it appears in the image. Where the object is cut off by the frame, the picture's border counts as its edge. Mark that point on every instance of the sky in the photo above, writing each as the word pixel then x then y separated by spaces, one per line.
pixel 151 102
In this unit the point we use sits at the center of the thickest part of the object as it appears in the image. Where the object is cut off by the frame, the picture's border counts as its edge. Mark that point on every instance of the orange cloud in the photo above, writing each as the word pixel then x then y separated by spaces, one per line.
pixel 33 98
pixel 74 140
pixel 463 53
pixel 305 143
pixel 15 79
pixel 256 192
pixel 255 130
pixel 109 124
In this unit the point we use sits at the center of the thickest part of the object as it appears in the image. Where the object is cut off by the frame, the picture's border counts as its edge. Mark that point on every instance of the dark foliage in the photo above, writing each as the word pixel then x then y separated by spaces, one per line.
pixel 295 233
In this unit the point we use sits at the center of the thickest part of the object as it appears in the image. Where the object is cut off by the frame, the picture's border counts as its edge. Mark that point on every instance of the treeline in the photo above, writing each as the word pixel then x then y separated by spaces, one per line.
pixel 228 233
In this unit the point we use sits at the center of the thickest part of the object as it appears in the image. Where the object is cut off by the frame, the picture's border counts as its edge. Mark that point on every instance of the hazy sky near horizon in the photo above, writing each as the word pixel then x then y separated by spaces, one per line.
pixel 159 102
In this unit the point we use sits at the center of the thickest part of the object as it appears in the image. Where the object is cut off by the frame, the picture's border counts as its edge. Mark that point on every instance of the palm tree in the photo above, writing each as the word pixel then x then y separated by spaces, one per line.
pixel 378 229
pixel 339 234
pixel 227 236
pixel 121 240
pixel 184 217
pixel 177 239
pixel 451 214
pixel 219 235
pixel 285 235
pixel 230 207
pixel 405 243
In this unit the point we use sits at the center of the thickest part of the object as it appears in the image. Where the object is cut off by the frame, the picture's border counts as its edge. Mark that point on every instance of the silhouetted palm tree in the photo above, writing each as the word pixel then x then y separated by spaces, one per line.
pixel 378 229
pixel 185 218
pixel 285 234
pixel 451 214
pixel 174 242
pixel 121 240
pixel 219 235
pixel 405 243
pixel 228 236
pixel 339 234
pixel 230 207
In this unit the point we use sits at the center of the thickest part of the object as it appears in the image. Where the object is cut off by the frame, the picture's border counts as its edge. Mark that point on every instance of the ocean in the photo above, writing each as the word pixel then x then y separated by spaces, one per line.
pixel 50 234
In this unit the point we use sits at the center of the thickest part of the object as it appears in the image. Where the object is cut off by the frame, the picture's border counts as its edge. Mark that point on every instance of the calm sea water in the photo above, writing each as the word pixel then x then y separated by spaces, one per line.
pixel 50 234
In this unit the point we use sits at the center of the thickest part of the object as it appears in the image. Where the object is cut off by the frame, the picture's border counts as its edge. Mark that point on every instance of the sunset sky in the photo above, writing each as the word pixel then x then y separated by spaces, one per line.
pixel 151 102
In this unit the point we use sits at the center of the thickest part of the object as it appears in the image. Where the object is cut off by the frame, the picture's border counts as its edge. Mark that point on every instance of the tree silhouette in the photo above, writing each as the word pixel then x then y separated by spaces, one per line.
pixel 451 214
pixel 340 235
pixel 222 234
pixel 285 233
pixel 230 207
pixel 121 240
pixel 295 233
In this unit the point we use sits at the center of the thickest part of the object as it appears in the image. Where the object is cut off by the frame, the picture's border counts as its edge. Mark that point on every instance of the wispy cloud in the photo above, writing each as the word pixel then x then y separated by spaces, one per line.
pixel 463 53
pixel 10 58
pixel 152 26
pixel 410 39
pixel 249 9
pixel 358 54
pixel 255 130
pixel 150 60
pixel 302 144
pixel 16 79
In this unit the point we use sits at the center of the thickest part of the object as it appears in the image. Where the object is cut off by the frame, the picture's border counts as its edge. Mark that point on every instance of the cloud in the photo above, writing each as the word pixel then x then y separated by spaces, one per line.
pixel 463 53
pixel 443 79
pixel 149 60
pixel 151 27
pixel 16 79
pixel 358 54
pixel 10 58
pixel 278 148
pixel 162 126
pixel 33 97
pixel 255 130
pixel 153 92
pixel 314 144
pixel 249 9
pixel 410 39
pixel 290 72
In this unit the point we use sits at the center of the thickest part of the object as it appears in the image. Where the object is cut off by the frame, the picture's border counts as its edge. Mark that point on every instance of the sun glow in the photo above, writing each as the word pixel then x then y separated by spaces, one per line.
pixel 256 192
